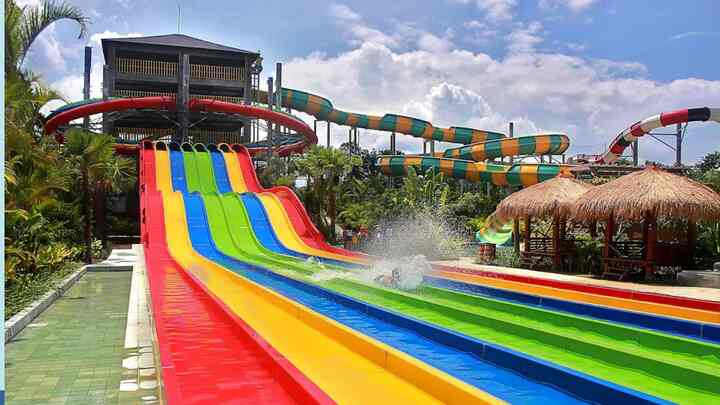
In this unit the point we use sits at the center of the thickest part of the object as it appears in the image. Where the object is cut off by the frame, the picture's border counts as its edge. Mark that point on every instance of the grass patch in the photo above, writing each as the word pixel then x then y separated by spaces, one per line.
pixel 25 289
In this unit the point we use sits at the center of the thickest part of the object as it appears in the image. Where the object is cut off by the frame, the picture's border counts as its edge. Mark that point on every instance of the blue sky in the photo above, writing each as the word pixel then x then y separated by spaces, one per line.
pixel 585 67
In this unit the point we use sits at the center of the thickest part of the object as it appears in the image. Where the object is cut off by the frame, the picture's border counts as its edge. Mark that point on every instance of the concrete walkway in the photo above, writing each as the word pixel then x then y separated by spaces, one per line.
pixel 74 352
pixel 711 294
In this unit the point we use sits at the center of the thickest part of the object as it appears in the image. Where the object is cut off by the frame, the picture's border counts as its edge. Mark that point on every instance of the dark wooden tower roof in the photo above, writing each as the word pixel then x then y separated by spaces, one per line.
pixel 176 40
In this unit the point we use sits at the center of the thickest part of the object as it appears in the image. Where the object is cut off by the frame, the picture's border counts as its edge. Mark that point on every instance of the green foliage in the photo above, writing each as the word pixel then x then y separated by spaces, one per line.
pixel 35 244
pixel 278 171
pixel 712 179
pixel 711 161
pixel 506 257
pixel 26 288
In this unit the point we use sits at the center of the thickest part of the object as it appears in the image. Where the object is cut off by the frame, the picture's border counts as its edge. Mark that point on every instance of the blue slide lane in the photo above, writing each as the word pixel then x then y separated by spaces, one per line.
pixel 263 230
pixel 689 329
pixel 220 172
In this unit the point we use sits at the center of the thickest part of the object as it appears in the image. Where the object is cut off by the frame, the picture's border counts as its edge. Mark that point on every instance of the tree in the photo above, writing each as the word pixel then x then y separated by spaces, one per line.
pixel 324 168
pixel 98 169
pixel 709 162
pixel 24 25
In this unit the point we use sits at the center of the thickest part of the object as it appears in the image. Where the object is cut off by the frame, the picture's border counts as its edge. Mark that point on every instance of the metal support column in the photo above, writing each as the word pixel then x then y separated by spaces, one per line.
pixel 328 134
pixel 511 133
pixel 183 96
pixel 86 83
pixel 635 153
pixel 247 98
pixel 278 86
pixel 392 143
pixel 678 145
pixel 424 147
pixel 278 92
pixel 432 147
pixel 108 88
pixel 270 102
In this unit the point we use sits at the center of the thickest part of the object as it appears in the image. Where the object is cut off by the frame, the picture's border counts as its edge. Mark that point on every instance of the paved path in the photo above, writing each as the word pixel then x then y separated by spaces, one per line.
pixel 74 352
pixel 712 294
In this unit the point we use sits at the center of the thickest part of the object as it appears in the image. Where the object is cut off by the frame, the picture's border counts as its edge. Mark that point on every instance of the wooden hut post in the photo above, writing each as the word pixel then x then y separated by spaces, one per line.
pixel 556 241
pixel 593 228
pixel 516 235
pixel 528 224
pixel 651 243
pixel 609 232
pixel 691 240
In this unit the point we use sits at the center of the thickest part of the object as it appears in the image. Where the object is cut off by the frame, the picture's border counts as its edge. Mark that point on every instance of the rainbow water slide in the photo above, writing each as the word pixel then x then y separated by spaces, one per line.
pixel 213 262
pixel 225 232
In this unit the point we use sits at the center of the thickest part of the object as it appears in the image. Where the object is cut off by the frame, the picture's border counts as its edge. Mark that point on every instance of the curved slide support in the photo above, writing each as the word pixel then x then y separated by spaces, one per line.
pixel 640 128
pixel 63 115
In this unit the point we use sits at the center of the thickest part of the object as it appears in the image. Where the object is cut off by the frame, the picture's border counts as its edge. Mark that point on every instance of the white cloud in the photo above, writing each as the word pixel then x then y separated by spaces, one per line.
pixel 572 5
pixel 96 39
pixel 524 38
pixel 27 3
pixel 495 10
pixel 353 24
pixel 692 34
pixel 479 33
pixel 71 86
pixel 48 51
pixel 592 100
pixel 575 47
pixel 344 12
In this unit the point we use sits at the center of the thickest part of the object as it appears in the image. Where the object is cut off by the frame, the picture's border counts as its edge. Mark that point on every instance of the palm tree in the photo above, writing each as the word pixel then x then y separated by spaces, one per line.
pixel 324 168
pixel 99 169
pixel 24 25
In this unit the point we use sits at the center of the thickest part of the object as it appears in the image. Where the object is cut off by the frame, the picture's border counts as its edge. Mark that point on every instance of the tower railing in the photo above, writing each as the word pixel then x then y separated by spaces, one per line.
pixel 160 68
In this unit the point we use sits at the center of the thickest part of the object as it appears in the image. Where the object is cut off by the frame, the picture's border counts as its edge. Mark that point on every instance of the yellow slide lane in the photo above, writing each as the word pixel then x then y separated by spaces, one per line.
pixel 288 236
pixel 350 367
pixel 237 181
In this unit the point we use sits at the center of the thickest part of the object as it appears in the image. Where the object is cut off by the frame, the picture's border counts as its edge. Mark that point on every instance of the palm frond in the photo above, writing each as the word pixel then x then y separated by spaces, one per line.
pixel 36 19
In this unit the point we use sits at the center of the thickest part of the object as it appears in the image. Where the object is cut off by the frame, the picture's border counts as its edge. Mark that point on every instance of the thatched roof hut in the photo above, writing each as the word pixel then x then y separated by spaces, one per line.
pixel 547 199
pixel 654 191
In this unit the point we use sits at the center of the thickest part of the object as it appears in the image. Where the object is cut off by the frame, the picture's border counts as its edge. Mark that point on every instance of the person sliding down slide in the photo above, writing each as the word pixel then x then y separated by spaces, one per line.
pixel 391 281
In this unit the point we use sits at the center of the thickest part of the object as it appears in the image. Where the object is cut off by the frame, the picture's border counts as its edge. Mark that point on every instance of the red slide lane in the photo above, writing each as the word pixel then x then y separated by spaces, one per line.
pixel 208 355
pixel 593 289
pixel 294 208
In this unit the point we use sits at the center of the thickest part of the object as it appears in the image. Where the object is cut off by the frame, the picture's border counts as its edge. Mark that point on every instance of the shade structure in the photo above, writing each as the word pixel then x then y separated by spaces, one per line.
pixel 650 191
pixel 554 197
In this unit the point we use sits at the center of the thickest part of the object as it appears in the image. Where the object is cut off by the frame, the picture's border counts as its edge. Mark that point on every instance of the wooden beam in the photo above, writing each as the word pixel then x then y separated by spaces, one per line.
pixel 609 232
pixel 528 226
pixel 651 246
pixel 556 242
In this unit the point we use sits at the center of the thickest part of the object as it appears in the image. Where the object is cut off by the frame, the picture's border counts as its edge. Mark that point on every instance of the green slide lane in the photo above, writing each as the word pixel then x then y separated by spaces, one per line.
pixel 673 368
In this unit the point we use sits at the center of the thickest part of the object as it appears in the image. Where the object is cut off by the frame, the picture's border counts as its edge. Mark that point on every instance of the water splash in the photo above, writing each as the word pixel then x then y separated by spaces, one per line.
pixel 426 232
pixel 403 273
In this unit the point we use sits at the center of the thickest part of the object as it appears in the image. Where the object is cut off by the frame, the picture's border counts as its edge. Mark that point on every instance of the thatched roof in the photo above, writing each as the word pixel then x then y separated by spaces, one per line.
pixel 653 190
pixel 546 199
